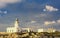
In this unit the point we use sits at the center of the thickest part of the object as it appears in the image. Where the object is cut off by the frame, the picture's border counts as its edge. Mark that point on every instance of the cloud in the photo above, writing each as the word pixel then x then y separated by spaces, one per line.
pixel 33 21
pixel 52 22
pixel 50 8
pixel 41 15
pixel 3 12
pixel 49 22
pixel 58 21
pixel 3 3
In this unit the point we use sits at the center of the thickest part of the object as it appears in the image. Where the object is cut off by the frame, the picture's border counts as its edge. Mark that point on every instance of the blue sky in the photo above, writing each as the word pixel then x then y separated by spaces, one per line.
pixel 31 13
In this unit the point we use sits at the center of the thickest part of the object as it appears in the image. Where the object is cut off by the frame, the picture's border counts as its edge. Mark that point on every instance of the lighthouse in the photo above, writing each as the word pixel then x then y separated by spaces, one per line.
pixel 16 23
pixel 16 27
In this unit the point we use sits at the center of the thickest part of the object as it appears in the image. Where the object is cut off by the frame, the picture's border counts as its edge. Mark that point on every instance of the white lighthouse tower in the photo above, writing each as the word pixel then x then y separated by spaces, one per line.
pixel 15 28
pixel 16 23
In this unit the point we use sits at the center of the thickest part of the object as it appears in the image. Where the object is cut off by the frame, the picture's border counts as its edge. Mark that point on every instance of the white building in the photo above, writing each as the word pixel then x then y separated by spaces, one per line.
pixel 15 28
pixel 26 29
pixel 41 30
pixel 51 30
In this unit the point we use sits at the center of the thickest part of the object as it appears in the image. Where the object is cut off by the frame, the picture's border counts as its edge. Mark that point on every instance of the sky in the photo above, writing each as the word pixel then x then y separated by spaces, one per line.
pixel 33 14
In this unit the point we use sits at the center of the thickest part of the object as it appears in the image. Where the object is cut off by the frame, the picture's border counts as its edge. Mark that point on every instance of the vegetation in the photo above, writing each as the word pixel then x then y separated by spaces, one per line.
pixel 30 35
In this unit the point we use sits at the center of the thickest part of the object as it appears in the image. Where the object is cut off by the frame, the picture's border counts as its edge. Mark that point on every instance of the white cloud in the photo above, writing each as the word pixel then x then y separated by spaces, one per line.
pixel 41 15
pixel 58 21
pixel 3 12
pixel 50 8
pixel 3 3
pixel 33 21
pixel 49 22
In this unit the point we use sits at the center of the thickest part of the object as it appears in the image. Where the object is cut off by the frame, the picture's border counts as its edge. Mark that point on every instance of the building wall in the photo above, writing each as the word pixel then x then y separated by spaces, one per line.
pixel 26 29
pixel 12 29
pixel 40 30
pixel 51 30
